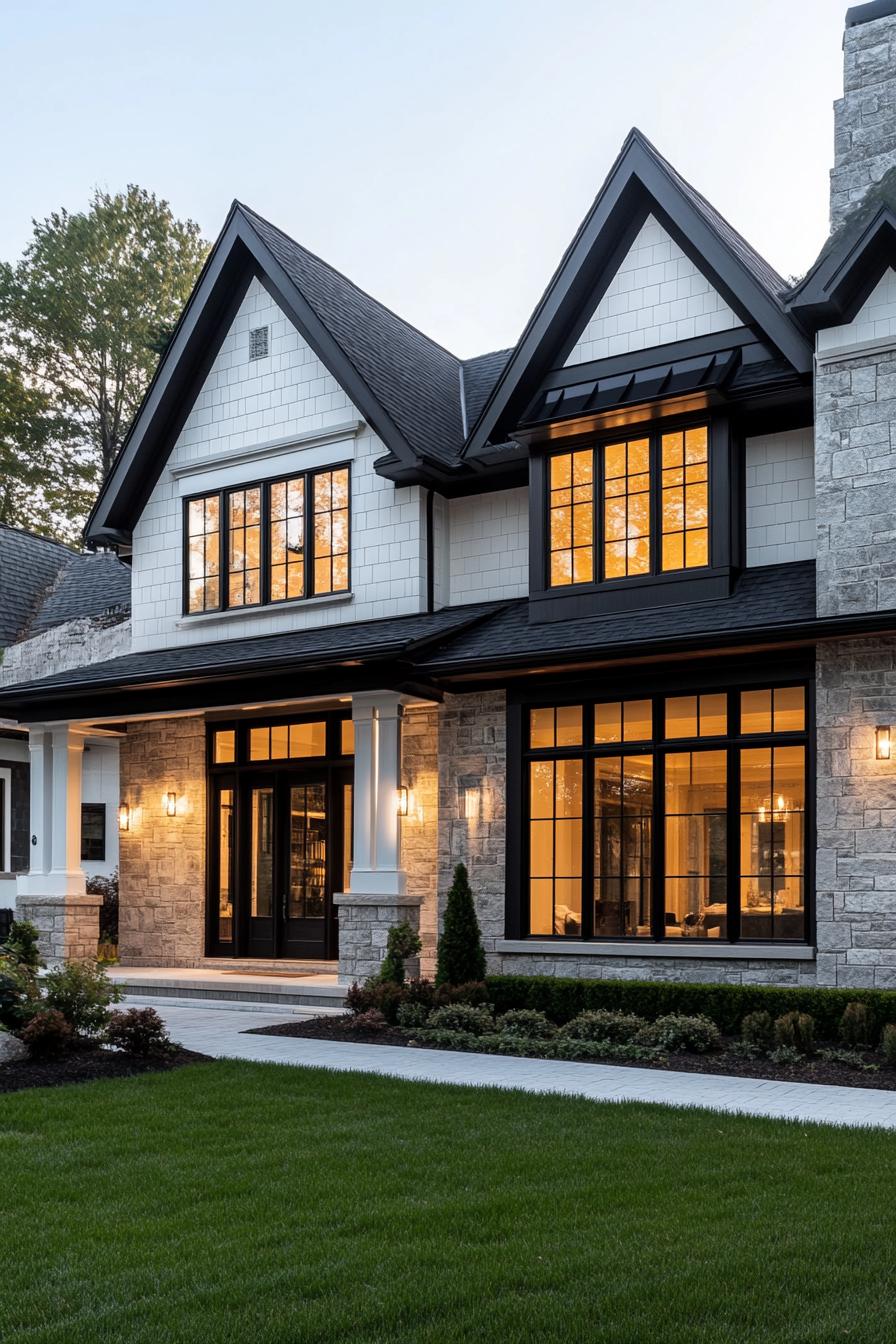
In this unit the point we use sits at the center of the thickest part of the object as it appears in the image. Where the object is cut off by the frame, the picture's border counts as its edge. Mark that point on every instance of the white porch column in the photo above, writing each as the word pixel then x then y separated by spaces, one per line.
pixel 52 893
pixel 378 896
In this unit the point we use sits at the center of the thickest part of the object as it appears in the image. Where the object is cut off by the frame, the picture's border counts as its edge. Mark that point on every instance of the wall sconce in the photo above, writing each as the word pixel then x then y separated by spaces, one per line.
pixel 882 743
pixel 469 802
pixel 171 804
pixel 124 817
pixel 403 801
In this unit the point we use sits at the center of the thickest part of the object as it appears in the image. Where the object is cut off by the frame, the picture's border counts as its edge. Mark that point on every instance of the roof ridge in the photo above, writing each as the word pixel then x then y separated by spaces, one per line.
pixel 36 536
pixel 247 209
pixel 672 172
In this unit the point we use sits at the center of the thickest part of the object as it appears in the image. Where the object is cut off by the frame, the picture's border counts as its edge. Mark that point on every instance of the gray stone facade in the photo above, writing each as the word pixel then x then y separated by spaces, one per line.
pixel 162 864
pixel 856 859
pixel 364 925
pixel 865 117
pixel 855 482
pixel 68 925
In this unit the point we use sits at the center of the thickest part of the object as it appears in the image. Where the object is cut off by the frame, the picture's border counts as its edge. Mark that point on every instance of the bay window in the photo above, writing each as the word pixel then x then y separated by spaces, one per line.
pixel 251 545
pixel 630 507
pixel 667 816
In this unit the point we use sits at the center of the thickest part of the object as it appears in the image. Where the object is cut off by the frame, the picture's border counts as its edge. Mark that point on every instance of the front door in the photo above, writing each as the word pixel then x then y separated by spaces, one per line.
pixel 294 845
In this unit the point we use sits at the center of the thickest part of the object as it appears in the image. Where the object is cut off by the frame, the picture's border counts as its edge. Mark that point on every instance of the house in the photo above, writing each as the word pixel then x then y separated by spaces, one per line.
pixel 58 608
pixel 609 616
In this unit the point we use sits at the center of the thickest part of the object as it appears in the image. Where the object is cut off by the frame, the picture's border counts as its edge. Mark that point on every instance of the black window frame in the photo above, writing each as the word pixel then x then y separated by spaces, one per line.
pixel 732 742
pixel 726 522
pixel 97 810
pixel 265 485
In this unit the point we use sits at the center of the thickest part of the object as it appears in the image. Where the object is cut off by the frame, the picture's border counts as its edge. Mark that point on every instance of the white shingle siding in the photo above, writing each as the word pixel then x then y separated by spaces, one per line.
pixel 243 406
pixel 657 296
pixel 488 546
pixel 875 320
pixel 780 497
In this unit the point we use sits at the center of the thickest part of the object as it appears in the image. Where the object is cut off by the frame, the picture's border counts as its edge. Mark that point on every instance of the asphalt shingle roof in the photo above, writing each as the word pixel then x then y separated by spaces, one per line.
pixel 86 585
pixel 28 566
pixel 416 380
pixel 765 597
pixel 480 376
pixel 332 643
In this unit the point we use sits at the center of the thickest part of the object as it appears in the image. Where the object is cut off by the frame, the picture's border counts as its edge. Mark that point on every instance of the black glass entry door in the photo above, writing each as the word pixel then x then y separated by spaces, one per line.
pixel 293 850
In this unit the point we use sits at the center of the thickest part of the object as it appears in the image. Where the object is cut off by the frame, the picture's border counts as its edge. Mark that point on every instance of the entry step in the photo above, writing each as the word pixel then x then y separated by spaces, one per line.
pixel 301 989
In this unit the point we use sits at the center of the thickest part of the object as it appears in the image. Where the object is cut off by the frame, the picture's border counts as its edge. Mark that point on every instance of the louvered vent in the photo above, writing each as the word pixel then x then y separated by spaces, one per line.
pixel 258 343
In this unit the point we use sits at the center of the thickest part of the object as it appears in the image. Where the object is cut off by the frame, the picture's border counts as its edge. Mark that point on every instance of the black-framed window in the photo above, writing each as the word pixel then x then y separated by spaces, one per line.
pixel 668 816
pixel 251 545
pixel 648 515
pixel 93 832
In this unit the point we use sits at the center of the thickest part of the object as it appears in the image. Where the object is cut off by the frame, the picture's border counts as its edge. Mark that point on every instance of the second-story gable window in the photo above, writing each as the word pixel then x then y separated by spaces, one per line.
pixel 265 552
pixel 648 516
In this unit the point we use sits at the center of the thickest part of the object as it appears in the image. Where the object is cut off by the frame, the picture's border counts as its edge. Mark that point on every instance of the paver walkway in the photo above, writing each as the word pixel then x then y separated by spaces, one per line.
pixel 220 1032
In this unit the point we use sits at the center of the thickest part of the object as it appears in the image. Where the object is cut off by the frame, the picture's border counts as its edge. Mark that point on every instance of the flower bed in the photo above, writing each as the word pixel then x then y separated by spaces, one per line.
pixel 784 1048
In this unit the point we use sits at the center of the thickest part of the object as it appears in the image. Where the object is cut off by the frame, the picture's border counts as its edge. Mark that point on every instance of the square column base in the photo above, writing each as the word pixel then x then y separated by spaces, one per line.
pixel 69 926
pixel 365 919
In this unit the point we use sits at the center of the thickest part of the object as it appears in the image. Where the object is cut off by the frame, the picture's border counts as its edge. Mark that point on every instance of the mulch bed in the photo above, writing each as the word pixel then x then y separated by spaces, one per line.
pixel 86 1064
pixel 732 1066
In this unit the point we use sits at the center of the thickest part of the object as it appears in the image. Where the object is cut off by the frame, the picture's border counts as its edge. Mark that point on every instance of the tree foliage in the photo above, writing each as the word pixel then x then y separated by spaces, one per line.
pixel 83 317
pixel 461 958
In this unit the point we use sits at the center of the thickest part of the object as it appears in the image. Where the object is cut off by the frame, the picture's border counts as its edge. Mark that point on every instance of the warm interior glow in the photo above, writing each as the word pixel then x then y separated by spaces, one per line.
pixel 571 496
pixel 685 499
pixel 627 509
pixel 883 743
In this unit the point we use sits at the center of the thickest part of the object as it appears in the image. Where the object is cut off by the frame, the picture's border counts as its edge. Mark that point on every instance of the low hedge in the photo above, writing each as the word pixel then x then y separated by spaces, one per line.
pixel 726 1005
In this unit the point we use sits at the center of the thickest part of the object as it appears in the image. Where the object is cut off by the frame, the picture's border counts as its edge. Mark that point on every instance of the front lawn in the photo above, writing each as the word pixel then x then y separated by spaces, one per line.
pixel 241 1202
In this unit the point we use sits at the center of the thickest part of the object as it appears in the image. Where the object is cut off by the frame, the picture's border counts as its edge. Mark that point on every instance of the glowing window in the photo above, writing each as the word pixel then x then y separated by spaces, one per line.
pixel 330 489
pixel 572 518
pixel 626 521
pixel 204 554
pixel 685 498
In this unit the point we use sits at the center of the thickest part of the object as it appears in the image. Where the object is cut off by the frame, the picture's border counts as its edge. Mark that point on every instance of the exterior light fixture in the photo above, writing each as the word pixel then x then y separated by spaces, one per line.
pixel 403 801
pixel 124 817
pixel 882 742
pixel 171 804
pixel 469 803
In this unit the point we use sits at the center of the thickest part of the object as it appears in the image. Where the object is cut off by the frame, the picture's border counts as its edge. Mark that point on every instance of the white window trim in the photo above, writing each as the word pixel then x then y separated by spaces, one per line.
pixel 6 855
pixel 315 446
pixel 269 609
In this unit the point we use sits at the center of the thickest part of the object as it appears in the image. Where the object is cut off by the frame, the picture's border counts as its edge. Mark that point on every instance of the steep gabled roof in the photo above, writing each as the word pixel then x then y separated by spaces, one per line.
pixel 641 182
pixel 28 566
pixel 405 385
pixel 851 262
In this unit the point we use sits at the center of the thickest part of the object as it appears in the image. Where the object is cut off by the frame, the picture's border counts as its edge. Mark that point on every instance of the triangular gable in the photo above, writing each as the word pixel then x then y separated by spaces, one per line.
pixel 249 247
pixel 640 184
pixel 657 296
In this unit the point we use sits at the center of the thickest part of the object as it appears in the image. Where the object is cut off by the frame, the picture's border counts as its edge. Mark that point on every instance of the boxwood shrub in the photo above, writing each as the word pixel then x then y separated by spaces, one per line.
pixel 726 1005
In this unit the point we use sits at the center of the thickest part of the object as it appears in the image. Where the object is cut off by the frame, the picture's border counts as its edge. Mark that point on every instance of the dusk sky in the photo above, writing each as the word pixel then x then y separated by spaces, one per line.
pixel 440 154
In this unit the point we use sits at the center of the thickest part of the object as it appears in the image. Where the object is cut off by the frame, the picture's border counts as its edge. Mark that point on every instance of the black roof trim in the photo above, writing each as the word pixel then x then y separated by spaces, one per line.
pixel 640 182
pixel 244 250
pixel 875 9
pixel 851 262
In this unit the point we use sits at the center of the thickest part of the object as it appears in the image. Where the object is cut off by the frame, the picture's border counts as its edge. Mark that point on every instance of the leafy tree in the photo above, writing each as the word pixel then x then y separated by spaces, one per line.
pixel 40 488
pixel 461 958
pixel 83 317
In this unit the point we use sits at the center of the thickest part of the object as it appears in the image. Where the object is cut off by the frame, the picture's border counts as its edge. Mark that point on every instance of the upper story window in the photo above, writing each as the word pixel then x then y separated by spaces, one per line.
pixel 648 516
pixel 265 552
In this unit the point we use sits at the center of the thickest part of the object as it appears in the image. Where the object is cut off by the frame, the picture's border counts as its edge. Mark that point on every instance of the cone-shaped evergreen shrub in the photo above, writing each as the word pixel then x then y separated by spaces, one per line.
pixel 461 958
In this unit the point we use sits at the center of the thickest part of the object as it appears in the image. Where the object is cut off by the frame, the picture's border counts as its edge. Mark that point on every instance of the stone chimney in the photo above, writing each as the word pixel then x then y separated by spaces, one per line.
pixel 865 117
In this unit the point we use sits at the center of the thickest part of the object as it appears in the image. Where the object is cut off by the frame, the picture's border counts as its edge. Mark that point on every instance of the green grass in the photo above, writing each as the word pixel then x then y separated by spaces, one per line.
pixel 258 1203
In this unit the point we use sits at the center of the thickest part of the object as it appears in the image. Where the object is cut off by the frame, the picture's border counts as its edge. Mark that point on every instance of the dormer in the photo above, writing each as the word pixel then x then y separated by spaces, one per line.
pixel 660 345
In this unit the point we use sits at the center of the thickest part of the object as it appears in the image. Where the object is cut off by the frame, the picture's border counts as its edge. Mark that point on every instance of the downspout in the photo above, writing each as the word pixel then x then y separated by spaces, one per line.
pixel 430 553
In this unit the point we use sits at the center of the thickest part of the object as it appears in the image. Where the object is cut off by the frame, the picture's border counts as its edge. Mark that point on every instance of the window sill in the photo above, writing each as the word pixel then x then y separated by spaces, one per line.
pixel 695 947
pixel 269 609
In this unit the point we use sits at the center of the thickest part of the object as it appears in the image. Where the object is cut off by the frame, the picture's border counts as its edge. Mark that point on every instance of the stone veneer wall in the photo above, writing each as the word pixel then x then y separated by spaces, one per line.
pixel 856 860
pixel 855 408
pixel 420 829
pixel 473 754
pixel 162 863
pixel 865 117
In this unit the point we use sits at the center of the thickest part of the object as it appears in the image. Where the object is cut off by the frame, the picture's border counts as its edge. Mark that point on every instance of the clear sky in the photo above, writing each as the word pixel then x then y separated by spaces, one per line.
pixel 440 152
